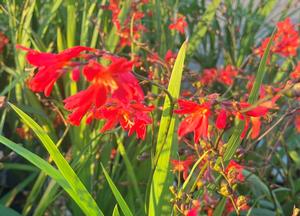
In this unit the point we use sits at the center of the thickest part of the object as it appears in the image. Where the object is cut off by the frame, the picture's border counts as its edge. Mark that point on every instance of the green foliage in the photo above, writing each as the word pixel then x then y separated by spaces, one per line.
pixel 162 180
pixel 86 201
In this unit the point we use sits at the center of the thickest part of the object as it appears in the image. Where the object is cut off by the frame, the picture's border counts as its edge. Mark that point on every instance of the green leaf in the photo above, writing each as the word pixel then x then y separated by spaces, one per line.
pixel 86 17
pixel 116 211
pixel 235 140
pixel 71 23
pixel 201 29
pixel 49 17
pixel 220 207
pixel 260 72
pixel 257 186
pixel 96 30
pixel 130 171
pixel 261 212
pixel 162 178
pixel 295 157
pixel 49 196
pixel 87 201
pixel 41 164
pixel 8 211
pixel 123 205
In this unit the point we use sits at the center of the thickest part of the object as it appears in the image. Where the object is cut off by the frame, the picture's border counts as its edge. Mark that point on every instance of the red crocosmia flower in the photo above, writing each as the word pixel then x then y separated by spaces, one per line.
pixel 114 8
pixel 153 57
pixel 76 74
pixel 253 115
pixel 179 25
pixel 193 212
pixel 286 40
pixel 296 73
pixel 208 76
pixel 227 75
pixel 195 209
pixel 50 66
pixel 183 165
pixel 133 117
pixel 170 57
pixel 297 123
pixel 124 33
pixel 115 80
pixel 234 172
pixel 3 41
pixel 221 119
pixel 256 124
pixel 196 121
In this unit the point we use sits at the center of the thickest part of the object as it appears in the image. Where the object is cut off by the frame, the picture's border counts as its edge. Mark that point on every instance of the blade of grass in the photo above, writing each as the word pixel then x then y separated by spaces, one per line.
pixel 48 197
pixel 48 169
pixel 35 191
pixel 220 207
pixel 116 211
pixel 96 30
pixel 235 140
pixel 201 29
pixel 90 206
pixel 49 17
pixel 123 205
pixel 162 178
pixel 130 171
pixel 8 198
pixel 71 23
pixel 18 166
pixel 86 19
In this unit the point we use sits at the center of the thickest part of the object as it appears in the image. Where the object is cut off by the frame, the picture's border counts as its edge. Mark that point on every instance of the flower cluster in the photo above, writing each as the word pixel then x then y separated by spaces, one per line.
pixel 124 27
pixel 224 75
pixel 112 94
pixel 179 24
pixel 198 115
pixel 286 40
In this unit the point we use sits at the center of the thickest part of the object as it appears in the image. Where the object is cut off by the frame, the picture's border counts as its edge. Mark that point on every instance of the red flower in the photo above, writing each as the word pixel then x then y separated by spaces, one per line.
pixel 253 115
pixel 256 124
pixel 221 119
pixel 132 117
pixel 50 66
pixel 3 41
pixel 297 123
pixel 227 75
pixel 195 209
pixel 179 25
pixel 170 57
pixel 286 40
pixel 115 80
pixel 197 121
pixel 209 76
pixel 183 165
pixel 234 172
pixel 296 73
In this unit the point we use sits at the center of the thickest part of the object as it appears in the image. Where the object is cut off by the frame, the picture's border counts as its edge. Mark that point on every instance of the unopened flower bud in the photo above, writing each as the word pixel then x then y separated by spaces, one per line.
pixel 224 190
